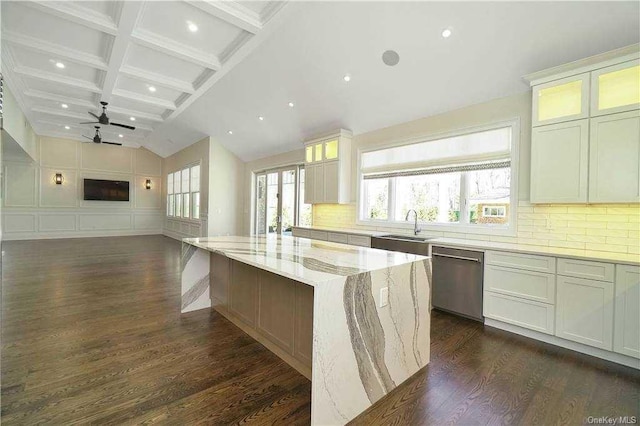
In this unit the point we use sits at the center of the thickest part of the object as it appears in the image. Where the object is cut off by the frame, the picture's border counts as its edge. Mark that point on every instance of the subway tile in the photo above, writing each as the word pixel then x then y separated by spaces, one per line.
pixel 532 216
pixel 623 241
pixel 633 249
pixel 587 238
pixel 533 242
pixel 575 231
pixel 609 232
pixel 567 244
pixel 623 225
pixel 500 239
pixel 540 222
pixel 624 210
pixel 606 247
pixel 607 218
pixel 567 216
pixel 549 209
pixel 525 222
pixel 634 234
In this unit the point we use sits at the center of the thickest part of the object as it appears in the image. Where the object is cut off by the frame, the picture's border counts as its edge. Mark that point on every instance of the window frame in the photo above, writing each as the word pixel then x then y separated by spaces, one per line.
pixel 190 193
pixel 429 227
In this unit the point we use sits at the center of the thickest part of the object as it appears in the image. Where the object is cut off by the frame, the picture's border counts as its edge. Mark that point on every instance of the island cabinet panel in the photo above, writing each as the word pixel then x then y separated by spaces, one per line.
pixel 303 342
pixel 244 292
pixel 219 276
pixel 276 308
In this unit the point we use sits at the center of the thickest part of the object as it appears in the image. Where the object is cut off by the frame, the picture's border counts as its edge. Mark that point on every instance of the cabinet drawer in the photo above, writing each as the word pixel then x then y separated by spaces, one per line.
pixel 302 233
pixel 539 286
pixel 338 238
pixel 359 240
pixel 318 235
pixel 529 262
pixel 586 269
pixel 521 312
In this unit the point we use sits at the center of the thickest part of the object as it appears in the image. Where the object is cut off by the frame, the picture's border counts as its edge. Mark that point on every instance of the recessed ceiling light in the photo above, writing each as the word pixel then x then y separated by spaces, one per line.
pixel 64 106
pixel 152 89
pixel 60 65
pixel 291 104
pixel 347 78
pixel 230 132
pixel 120 136
pixel 192 26
pixel 132 118
pixel 261 118
pixel 67 127
pixel 446 33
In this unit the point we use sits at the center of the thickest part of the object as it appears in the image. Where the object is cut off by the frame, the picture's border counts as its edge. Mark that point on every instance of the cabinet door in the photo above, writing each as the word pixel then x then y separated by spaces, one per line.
pixel 616 88
pixel 561 100
pixel 559 160
pixel 318 183
pixel 331 182
pixel 309 184
pixel 331 150
pixel 626 333
pixel 614 158
pixel 243 291
pixel 308 154
pixel 584 311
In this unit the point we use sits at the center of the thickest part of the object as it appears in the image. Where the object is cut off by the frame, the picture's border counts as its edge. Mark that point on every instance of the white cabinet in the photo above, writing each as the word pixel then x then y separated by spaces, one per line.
pixel 328 169
pixel 614 158
pixel 517 311
pixel 561 100
pixel 584 311
pixel 559 161
pixel 626 333
pixel 585 140
pixel 337 237
pixel 615 88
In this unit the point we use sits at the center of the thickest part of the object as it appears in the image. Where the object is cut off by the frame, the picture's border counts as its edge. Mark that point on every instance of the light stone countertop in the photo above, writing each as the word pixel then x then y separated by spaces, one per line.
pixel 483 245
pixel 309 261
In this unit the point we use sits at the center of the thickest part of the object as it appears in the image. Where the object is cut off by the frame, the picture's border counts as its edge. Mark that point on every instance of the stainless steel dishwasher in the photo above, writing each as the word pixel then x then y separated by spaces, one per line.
pixel 457 281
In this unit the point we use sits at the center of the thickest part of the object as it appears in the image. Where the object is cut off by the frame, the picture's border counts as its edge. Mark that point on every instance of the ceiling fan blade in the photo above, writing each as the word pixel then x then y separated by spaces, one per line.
pixel 112 143
pixel 89 122
pixel 122 125
pixel 87 137
pixel 90 113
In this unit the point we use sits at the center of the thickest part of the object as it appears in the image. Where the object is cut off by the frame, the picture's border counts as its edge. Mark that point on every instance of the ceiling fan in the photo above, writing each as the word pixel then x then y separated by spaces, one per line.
pixel 98 138
pixel 103 119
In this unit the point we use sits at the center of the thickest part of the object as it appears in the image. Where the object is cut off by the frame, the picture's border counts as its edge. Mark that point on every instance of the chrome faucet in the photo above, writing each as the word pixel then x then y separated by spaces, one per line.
pixel 416 230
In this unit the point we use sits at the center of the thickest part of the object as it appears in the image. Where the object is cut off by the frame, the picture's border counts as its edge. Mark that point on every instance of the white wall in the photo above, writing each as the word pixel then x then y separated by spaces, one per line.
pixel 279 160
pixel 35 207
pixel 16 125
pixel 197 153
pixel 226 184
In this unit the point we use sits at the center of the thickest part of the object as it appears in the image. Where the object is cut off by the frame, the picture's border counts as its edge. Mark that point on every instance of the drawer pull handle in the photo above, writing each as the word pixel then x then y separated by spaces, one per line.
pixel 471 259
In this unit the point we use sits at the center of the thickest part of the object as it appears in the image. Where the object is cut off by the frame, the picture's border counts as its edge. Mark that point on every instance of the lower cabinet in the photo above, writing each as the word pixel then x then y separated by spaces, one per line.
pixel 337 237
pixel 243 291
pixel 626 333
pixel 517 311
pixel 584 311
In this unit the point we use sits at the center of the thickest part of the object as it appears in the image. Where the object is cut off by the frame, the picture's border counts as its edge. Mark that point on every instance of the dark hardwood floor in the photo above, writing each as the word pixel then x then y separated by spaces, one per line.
pixel 91 333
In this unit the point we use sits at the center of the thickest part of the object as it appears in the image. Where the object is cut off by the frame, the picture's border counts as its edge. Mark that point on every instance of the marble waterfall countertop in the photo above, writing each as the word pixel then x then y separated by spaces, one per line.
pixel 309 261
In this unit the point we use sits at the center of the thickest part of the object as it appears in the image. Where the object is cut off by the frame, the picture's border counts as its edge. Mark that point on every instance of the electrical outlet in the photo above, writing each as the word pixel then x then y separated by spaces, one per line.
pixel 384 297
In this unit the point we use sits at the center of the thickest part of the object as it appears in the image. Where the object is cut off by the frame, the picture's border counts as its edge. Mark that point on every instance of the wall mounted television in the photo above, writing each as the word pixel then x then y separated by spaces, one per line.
pixel 106 190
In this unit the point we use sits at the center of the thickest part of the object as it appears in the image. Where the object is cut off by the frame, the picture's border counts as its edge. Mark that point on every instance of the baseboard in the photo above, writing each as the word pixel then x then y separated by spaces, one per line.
pixel 567 344
pixel 87 234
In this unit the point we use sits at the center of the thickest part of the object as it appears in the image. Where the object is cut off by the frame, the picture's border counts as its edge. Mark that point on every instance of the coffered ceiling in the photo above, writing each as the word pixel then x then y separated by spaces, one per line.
pixel 149 60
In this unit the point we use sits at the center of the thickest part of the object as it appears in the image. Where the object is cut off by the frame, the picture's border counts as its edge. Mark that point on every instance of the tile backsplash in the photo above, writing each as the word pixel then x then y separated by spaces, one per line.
pixel 598 227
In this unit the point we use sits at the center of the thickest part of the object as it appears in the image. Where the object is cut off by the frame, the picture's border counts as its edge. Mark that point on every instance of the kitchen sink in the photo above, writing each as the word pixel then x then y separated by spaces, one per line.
pixel 402 243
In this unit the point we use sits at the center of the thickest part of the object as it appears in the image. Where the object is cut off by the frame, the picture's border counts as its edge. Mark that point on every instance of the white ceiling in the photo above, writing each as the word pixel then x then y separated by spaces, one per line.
pixel 294 52
pixel 114 51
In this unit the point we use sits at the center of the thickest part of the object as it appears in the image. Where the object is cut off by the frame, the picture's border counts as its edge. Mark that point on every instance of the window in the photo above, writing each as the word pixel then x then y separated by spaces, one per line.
pixel 459 181
pixel 183 193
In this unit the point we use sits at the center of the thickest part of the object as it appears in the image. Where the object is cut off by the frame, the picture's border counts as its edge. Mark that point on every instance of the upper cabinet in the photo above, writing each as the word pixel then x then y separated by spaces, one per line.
pixel 328 169
pixel 585 141
pixel 561 100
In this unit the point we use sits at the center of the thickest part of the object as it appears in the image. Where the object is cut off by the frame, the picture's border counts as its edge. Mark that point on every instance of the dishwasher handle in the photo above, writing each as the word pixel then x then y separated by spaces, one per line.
pixel 471 259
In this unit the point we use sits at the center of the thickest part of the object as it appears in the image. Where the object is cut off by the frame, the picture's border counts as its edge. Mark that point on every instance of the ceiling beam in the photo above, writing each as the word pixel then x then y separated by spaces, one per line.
pixel 158 79
pixel 77 13
pixel 57 78
pixel 129 16
pixel 79 138
pixel 231 12
pixel 39 94
pixel 54 49
pixel 176 49
pixel 144 99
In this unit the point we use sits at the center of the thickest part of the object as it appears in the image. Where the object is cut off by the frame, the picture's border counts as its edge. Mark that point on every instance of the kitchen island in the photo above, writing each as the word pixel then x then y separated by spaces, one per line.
pixel 354 320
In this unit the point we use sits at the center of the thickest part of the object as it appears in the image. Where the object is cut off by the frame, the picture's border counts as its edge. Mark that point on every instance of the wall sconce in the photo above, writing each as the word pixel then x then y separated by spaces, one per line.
pixel 58 179
pixel 147 184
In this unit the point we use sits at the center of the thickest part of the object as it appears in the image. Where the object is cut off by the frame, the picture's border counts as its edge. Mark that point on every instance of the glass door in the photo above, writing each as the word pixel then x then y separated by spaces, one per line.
pixel 277 196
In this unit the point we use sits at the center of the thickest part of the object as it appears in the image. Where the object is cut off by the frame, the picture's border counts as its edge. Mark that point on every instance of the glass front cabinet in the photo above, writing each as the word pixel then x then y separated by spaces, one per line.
pixel 328 165
pixel 586 131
